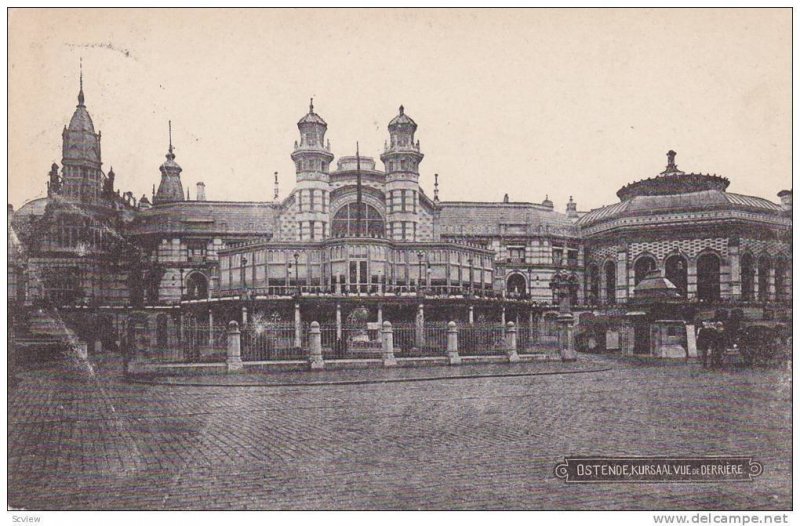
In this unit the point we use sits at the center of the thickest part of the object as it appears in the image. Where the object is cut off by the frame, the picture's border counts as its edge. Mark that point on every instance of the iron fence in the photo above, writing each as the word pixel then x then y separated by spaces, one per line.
pixel 482 339
pixel 204 343
pixel 271 341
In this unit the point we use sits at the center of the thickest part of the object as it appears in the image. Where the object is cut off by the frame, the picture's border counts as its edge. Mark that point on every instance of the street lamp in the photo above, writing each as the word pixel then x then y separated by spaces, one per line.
pixel 469 285
pixel 244 272
pixel 564 285
pixel 297 272
pixel 420 255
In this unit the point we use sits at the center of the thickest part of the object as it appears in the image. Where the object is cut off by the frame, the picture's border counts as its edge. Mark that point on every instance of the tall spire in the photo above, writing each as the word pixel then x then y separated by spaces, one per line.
pixel 436 188
pixel 275 197
pixel 170 155
pixel 311 106
pixel 80 93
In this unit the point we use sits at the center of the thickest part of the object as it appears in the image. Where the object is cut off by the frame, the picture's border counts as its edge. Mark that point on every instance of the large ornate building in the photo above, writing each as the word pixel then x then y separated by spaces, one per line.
pixel 350 234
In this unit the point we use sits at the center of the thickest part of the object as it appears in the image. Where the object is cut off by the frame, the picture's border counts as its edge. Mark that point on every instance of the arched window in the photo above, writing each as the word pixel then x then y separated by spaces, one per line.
pixel 197 286
pixel 515 286
pixel 675 270
pixel 162 327
pixel 780 280
pixel 764 266
pixel 610 270
pixel 708 277
pixel 593 288
pixel 642 266
pixel 349 223
pixel 748 277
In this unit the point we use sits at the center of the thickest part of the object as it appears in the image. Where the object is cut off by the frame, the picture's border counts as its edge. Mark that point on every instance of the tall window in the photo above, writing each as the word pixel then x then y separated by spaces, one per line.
pixel 346 222
pixel 764 265
pixel 676 271
pixel 642 266
pixel 748 277
pixel 611 282
pixel 708 277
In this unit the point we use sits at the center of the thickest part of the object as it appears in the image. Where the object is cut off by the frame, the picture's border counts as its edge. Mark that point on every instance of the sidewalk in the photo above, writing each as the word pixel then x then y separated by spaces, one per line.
pixel 378 375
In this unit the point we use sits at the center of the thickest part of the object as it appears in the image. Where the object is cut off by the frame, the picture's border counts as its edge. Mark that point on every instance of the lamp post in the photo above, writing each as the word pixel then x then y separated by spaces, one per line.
pixel 297 272
pixel 244 272
pixel 564 284
pixel 420 255
pixel 469 285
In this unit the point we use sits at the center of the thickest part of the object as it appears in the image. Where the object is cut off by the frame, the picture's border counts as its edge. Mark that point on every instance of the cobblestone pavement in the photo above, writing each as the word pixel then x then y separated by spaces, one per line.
pixel 81 439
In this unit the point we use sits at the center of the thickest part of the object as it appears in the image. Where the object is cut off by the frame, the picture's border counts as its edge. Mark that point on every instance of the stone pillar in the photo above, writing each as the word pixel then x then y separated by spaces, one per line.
pixel 315 360
pixel 180 326
pixel 210 328
pixel 503 320
pixel 298 335
pixel 244 315
pixel 622 276
pixel 771 282
pixel 387 345
pixel 530 327
pixel 471 314
pixel 566 339
pixel 452 344
pixel 735 275
pixel 338 321
pixel 420 327
pixel 756 280
pixel 691 279
pixel 380 315
pixel 234 359
pixel 511 343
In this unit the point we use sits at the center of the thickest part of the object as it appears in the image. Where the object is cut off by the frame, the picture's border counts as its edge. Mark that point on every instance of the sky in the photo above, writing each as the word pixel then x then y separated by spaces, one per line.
pixel 531 103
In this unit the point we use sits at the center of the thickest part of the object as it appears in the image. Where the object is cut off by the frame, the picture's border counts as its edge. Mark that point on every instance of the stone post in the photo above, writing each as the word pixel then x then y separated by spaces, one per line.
pixel 471 314
pixel 503 320
pixel 338 321
pixel 298 335
pixel 244 315
pixel 566 338
pixel 511 343
pixel 380 315
pixel 234 360
pixel 452 344
pixel 210 328
pixel 387 345
pixel 420 327
pixel 315 347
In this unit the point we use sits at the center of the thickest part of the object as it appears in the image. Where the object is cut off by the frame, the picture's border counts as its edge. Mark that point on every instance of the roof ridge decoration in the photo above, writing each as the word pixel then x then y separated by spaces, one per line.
pixel 673 181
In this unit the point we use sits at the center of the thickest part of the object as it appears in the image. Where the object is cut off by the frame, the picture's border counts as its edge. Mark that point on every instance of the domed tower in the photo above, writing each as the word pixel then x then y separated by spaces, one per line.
pixel 401 158
pixel 312 159
pixel 82 176
pixel 170 189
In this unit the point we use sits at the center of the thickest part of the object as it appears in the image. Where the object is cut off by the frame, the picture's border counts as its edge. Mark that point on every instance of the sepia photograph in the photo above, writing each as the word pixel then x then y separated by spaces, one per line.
pixel 398 259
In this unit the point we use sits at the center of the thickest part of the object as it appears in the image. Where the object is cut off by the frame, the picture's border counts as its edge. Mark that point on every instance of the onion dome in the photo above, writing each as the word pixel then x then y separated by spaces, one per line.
pixel 170 189
pixel 402 122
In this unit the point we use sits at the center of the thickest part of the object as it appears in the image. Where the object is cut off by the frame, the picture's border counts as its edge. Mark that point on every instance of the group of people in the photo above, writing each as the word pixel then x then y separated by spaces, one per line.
pixel 711 342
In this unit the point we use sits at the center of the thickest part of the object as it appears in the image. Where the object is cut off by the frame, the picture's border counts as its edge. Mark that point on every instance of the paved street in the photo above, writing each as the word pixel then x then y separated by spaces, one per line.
pixel 90 440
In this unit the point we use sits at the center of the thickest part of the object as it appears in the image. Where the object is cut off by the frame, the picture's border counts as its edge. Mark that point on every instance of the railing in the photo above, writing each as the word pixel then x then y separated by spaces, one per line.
pixel 363 289
pixel 271 341
pixel 482 339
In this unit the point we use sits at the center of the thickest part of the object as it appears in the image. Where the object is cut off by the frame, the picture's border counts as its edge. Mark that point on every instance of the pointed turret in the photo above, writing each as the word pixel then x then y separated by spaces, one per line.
pixel 170 190
pixel 82 177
